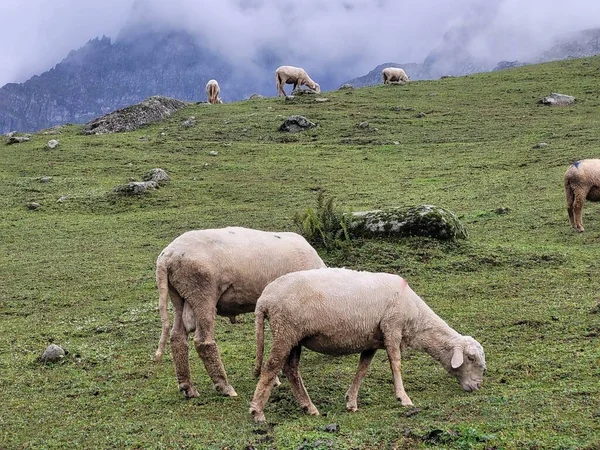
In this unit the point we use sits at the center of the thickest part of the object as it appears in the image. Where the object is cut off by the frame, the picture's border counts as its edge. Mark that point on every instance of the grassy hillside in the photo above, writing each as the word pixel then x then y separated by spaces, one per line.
pixel 80 273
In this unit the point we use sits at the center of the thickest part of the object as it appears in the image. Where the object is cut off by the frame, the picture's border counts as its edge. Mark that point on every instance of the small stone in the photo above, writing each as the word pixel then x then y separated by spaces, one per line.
pixel 189 122
pixel 33 206
pixel 332 428
pixel 502 210
pixel 421 114
pixel 255 97
pixel 412 411
pixel 540 145
pixel 53 143
pixel 213 153
pixel 53 353
pixel 363 125
pixel 321 99
pixel 347 86
pixel 396 143
pixel 62 199
pixel 44 179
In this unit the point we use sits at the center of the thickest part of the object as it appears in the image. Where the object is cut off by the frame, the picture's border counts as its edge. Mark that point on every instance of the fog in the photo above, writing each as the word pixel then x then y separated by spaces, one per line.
pixel 354 35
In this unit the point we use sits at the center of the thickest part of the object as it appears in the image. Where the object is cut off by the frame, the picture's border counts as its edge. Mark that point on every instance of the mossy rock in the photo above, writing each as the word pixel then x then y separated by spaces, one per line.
pixel 422 220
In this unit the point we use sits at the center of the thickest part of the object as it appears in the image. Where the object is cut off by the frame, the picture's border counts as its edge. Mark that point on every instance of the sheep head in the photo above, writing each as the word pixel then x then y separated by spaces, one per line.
pixel 467 363
pixel 314 86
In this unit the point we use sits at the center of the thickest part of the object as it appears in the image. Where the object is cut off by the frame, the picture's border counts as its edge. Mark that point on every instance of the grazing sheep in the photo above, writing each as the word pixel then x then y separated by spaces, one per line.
pixel 582 182
pixel 219 272
pixel 293 75
pixel 341 311
pixel 394 75
pixel 212 92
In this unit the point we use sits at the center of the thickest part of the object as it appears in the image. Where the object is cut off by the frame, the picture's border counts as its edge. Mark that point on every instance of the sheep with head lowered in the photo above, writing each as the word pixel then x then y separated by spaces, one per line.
pixel 219 272
pixel 394 75
pixel 341 311
pixel 582 182
pixel 293 75
pixel 212 92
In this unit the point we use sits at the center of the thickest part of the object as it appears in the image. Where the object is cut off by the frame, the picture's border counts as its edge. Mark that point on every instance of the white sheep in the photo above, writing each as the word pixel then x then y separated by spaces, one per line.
pixel 582 182
pixel 212 92
pixel 341 311
pixel 394 75
pixel 219 272
pixel 293 75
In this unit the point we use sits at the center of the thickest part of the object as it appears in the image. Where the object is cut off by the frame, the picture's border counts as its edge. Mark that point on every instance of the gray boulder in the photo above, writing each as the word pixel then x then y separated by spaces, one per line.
pixel 136 188
pixel 556 99
pixel 53 353
pixel 301 91
pixel 294 124
pixel 423 220
pixel 53 143
pixel 256 97
pixel 157 175
pixel 17 139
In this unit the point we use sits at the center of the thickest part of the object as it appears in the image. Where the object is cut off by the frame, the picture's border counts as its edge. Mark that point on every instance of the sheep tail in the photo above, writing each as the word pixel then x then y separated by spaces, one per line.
pixel 162 282
pixel 260 341
pixel 569 192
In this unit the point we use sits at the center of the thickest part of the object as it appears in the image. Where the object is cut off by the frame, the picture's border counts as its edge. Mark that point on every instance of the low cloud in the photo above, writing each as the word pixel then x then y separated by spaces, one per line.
pixel 320 35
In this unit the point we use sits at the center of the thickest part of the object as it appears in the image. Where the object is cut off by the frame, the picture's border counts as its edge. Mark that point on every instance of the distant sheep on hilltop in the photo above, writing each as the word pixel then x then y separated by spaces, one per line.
pixel 296 76
pixel 394 75
pixel 212 92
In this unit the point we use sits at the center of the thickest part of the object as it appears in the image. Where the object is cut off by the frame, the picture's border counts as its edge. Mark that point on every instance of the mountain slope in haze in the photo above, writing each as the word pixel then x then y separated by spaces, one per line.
pixel 103 76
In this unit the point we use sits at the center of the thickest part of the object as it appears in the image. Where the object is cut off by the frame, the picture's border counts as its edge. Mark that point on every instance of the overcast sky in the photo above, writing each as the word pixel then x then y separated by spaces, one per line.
pixel 360 34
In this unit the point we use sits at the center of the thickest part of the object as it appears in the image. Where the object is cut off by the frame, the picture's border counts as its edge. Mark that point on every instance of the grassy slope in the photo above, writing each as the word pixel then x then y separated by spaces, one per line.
pixel 80 273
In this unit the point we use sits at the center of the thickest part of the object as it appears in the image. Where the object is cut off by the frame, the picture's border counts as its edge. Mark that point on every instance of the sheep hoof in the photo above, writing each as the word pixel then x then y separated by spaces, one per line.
pixel 351 408
pixel 311 410
pixel 258 417
pixel 227 391
pixel 189 390
pixel 276 383
pixel 405 401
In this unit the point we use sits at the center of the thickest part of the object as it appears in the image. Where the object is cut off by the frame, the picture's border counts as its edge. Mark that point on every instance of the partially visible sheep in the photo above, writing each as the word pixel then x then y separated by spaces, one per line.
pixel 212 92
pixel 293 75
pixel 394 75
pixel 582 182
pixel 341 311
pixel 219 272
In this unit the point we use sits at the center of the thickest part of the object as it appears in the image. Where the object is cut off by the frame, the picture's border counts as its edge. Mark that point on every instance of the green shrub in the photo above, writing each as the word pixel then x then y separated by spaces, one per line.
pixel 324 226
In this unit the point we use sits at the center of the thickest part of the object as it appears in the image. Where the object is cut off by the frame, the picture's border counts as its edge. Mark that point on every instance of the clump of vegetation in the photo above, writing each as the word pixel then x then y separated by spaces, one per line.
pixel 326 225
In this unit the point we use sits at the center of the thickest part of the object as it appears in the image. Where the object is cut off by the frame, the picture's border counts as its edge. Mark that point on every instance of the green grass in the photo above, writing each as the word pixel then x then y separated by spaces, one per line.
pixel 81 273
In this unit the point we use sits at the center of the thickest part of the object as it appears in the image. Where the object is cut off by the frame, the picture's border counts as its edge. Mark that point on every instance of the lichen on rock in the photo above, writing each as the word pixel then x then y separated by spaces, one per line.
pixel 422 220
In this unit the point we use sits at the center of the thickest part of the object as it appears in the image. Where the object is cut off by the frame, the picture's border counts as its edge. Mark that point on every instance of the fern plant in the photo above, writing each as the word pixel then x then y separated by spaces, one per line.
pixel 324 226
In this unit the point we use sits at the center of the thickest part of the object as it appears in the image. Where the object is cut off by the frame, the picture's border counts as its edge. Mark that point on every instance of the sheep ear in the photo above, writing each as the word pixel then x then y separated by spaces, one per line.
pixel 457 358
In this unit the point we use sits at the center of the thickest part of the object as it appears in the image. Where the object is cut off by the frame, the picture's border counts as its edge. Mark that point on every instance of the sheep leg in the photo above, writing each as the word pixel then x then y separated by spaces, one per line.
pixel 578 203
pixel 277 358
pixel 179 349
pixel 292 373
pixel 393 351
pixel 209 352
pixel 363 365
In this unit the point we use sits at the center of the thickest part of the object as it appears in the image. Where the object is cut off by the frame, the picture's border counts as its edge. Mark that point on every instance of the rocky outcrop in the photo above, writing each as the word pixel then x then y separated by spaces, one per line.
pixel 153 109
pixel 424 220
